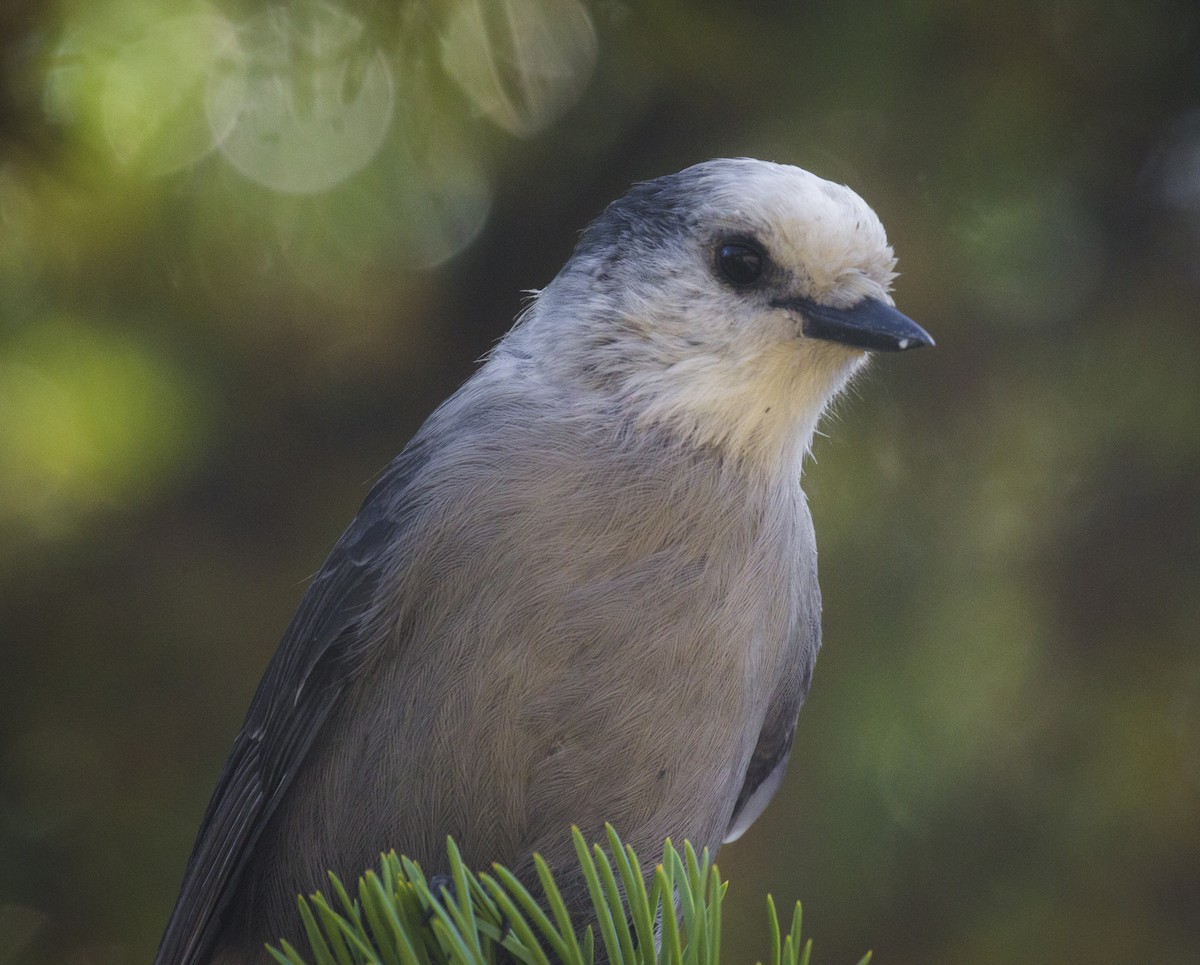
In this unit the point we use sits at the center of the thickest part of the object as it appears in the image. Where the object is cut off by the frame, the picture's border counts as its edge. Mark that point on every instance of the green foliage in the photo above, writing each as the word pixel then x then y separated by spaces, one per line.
pixel 398 919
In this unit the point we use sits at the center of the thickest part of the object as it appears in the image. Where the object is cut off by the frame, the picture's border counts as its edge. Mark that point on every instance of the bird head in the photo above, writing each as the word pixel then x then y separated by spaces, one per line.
pixel 729 302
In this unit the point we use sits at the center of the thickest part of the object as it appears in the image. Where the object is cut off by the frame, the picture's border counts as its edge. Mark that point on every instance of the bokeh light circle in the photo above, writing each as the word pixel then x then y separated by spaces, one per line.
pixel 307 97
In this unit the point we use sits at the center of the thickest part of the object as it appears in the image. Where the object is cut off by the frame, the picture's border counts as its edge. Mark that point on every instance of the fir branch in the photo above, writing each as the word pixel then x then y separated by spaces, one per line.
pixel 397 919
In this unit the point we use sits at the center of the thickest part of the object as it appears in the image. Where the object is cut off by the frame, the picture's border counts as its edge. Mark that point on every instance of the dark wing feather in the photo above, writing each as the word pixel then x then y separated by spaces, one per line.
pixel 320 651
pixel 767 766
pixel 768 762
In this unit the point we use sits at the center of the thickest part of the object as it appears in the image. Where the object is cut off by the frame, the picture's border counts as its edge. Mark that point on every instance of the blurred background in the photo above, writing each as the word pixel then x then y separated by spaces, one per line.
pixel 246 248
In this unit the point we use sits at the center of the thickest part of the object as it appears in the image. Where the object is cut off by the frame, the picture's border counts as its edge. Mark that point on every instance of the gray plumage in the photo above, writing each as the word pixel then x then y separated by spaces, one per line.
pixel 587 590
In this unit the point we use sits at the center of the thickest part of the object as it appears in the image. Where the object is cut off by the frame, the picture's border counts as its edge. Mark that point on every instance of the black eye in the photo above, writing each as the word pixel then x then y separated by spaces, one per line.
pixel 741 264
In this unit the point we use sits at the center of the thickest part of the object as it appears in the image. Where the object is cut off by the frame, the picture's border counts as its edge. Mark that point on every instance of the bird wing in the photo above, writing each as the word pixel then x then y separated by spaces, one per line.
pixel 768 764
pixel 320 651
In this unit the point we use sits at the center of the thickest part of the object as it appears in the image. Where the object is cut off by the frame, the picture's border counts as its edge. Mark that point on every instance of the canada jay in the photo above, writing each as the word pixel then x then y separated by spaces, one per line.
pixel 587 589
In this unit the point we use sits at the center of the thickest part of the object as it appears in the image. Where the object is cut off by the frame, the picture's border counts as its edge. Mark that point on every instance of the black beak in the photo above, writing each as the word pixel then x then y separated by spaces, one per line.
pixel 871 324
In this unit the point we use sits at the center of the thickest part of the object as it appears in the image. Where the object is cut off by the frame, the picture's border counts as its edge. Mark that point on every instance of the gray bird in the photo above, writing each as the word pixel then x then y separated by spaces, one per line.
pixel 587 589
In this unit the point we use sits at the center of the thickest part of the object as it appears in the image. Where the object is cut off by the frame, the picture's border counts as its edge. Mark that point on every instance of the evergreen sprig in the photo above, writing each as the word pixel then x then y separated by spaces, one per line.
pixel 401 918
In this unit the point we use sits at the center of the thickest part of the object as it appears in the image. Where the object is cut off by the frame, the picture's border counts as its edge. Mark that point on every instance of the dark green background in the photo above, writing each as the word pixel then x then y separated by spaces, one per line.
pixel 200 375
